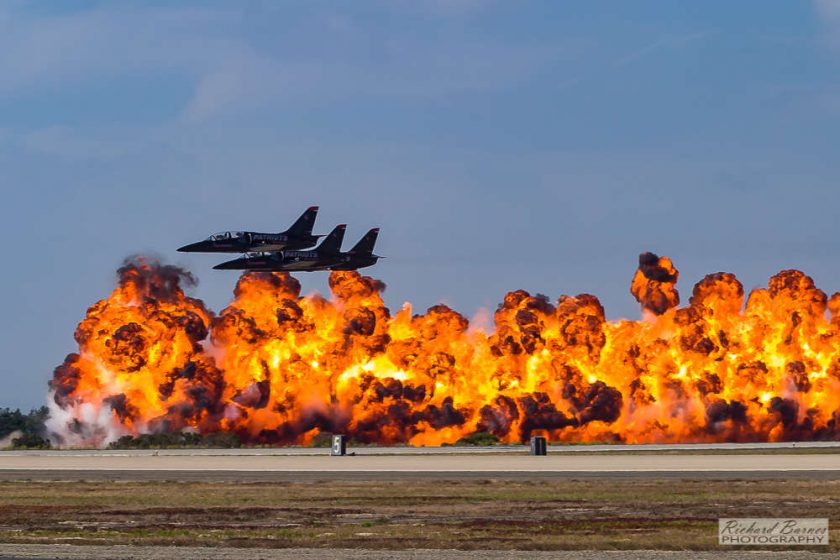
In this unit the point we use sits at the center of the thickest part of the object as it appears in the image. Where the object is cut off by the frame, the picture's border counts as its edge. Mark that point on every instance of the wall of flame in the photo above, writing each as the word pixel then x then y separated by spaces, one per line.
pixel 275 367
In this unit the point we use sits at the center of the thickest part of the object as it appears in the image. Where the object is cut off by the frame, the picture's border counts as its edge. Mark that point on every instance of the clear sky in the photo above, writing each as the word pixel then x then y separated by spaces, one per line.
pixel 499 145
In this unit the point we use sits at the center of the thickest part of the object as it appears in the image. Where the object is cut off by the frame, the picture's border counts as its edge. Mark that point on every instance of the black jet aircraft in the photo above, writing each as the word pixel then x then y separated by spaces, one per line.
pixel 327 256
pixel 361 255
pixel 299 236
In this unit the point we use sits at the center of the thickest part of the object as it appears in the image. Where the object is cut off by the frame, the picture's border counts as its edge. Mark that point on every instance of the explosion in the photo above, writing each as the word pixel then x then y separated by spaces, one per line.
pixel 279 368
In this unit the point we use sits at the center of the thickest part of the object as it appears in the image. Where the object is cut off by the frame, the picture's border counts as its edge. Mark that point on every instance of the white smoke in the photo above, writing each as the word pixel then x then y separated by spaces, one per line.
pixel 81 425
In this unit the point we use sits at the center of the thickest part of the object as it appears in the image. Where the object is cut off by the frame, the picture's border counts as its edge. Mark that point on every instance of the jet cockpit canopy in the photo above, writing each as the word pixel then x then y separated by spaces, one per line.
pixel 264 255
pixel 226 235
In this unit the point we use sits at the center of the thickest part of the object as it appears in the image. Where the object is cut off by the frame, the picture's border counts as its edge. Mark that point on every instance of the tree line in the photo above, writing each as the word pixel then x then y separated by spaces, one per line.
pixel 29 428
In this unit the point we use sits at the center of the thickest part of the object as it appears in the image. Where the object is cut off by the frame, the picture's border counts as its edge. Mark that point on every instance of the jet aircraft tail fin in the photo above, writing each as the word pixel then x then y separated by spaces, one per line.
pixel 332 243
pixel 366 243
pixel 303 226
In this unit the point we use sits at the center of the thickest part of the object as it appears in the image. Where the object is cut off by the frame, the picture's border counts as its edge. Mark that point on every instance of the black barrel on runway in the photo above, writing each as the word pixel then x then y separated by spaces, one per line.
pixel 538 446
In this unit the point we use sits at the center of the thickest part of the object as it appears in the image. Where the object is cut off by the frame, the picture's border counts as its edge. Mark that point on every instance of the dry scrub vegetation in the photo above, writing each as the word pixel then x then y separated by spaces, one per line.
pixel 464 514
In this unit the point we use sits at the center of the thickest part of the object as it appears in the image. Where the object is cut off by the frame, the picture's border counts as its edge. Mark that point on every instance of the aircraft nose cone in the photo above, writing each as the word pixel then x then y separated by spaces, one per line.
pixel 228 265
pixel 192 247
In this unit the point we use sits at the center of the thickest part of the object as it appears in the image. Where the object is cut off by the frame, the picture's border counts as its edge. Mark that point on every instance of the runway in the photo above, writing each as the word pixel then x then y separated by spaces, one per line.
pixel 456 450
pixel 271 465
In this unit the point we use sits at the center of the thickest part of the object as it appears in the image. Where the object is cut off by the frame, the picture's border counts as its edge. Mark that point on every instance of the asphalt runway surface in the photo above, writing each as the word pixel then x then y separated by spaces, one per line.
pixel 400 463
pixel 456 450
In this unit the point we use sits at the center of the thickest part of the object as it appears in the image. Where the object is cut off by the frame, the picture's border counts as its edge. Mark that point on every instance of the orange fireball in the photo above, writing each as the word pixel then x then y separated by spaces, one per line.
pixel 277 367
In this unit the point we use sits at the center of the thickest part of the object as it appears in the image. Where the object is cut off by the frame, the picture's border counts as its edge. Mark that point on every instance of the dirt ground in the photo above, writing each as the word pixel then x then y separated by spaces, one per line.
pixel 123 552
pixel 561 514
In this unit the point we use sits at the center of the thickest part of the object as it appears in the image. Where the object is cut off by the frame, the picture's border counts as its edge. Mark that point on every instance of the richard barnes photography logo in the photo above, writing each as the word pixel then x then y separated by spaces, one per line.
pixel 770 531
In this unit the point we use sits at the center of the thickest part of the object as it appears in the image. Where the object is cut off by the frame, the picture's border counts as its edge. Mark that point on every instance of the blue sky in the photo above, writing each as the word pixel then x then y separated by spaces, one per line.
pixel 499 145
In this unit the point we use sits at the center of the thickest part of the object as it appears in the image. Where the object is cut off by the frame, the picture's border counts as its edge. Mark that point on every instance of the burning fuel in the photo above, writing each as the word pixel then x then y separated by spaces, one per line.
pixel 278 367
